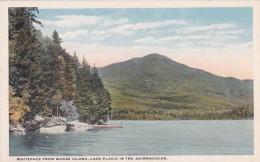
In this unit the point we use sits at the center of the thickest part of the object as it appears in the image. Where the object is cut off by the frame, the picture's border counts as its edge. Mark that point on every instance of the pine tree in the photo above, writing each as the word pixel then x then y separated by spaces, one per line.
pixel 101 107
pixel 50 71
pixel 49 59
pixel 67 79
pixel 43 75
pixel 96 80
pixel 24 47
pixel 84 89
pixel 76 60
pixel 24 57
pixel 56 38
pixel 21 17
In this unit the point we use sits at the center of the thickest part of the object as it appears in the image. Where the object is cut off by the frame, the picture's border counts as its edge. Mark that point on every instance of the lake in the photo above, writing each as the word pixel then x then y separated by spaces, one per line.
pixel 230 137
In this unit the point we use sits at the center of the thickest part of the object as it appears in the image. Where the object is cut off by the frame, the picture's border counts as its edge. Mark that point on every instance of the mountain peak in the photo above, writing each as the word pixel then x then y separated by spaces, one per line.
pixel 156 81
pixel 156 56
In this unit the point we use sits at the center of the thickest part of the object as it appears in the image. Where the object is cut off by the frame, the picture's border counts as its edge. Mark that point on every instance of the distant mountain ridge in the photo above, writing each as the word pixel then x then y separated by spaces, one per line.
pixel 156 81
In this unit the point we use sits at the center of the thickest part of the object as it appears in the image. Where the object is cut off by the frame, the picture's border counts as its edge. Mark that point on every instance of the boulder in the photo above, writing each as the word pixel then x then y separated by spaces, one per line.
pixel 16 129
pixel 77 126
pixel 32 125
pixel 39 118
pixel 55 121
pixel 53 130
pixel 73 126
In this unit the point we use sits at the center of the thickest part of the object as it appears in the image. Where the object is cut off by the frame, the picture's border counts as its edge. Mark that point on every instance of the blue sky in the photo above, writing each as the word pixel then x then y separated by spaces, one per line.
pixel 193 36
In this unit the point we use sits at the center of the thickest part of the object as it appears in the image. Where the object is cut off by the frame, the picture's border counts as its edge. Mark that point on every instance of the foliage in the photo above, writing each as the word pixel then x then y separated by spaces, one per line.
pixel 156 87
pixel 49 75
pixel 24 63
pixel 17 106
pixel 194 113
pixel 56 38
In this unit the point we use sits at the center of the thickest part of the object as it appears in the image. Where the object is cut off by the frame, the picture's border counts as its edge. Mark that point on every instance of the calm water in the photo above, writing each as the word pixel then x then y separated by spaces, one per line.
pixel 144 138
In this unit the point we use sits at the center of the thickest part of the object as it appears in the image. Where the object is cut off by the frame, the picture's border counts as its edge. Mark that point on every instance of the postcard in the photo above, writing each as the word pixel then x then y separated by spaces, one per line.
pixel 129 81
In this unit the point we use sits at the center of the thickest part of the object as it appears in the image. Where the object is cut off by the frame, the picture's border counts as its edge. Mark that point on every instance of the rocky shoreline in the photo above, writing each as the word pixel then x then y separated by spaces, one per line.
pixel 54 125
pixel 51 125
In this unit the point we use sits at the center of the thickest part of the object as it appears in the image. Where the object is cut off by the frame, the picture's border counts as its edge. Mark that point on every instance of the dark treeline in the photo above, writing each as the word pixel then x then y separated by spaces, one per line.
pixel 234 113
pixel 42 74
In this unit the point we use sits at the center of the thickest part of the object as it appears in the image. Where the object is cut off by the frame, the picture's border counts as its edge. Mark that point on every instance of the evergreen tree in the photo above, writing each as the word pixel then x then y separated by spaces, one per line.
pixel 76 60
pixel 56 38
pixel 23 46
pixel 43 75
pixel 67 79
pixel 24 56
pixel 21 17
pixel 50 70
pixel 49 59
pixel 102 100
pixel 84 89
pixel 96 80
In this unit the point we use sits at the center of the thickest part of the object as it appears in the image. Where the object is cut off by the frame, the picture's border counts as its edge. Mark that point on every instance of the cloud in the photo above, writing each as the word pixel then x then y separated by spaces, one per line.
pixel 145 40
pixel 231 32
pixel 129 29
pixel 206 28
pixel 244 45
pixel 81 20
pixel 152 40
pixel 153 25
pixel 115 22
pixel 70 35
pixel 122 30
pixel 72 21
pixel 98 32
pixel 121 21
pixel 207 36
pixel 99 35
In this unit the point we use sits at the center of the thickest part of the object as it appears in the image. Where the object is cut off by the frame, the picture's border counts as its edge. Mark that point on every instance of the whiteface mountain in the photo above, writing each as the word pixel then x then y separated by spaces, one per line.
pixel 157 82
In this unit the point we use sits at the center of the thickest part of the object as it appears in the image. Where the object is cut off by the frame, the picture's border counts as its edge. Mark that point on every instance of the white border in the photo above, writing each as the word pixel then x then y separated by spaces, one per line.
pixel 4 135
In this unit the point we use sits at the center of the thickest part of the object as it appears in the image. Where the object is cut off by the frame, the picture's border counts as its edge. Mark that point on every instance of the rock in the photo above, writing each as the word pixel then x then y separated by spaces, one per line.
pixel 39 118
pixel 73 126
pixel 35 125
pixel 77 126
pixel 16 129
pixel 32 125
pixel 53 130
pixel 50 125
pixel 55 121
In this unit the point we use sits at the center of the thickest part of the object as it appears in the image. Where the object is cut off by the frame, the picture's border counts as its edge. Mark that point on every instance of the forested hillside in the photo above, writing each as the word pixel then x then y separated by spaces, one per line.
pixel 156 87
pixel 42 74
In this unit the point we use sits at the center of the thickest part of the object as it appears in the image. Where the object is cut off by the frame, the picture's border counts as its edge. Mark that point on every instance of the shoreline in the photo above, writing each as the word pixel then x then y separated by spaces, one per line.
pixel 55 125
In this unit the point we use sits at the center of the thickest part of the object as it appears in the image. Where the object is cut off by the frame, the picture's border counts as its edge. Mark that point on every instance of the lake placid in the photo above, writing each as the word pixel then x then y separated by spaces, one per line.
pixel 143 138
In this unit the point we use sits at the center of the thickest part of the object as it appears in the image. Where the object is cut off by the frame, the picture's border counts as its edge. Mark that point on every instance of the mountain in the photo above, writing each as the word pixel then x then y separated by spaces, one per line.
pixel 157 83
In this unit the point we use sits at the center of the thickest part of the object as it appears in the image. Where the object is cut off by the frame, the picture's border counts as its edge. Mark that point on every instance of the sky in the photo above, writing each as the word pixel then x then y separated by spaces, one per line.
pixel 217 40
